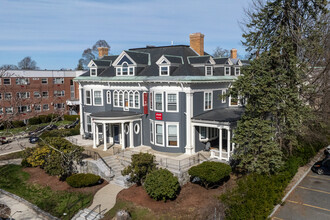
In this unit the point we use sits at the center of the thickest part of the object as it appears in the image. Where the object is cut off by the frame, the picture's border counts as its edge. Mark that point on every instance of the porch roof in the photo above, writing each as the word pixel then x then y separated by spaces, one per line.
pixel 115 114
pixel 231 114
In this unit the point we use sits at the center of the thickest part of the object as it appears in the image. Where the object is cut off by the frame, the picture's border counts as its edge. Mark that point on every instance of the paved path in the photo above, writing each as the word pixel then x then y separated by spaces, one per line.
pixel 309 200
pixel 106 196
pixel 19 210
pixel 15 146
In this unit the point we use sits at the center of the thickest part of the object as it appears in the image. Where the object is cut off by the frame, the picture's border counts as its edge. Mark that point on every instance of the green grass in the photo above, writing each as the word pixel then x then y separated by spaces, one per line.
pixel 14 180
pixel 28 128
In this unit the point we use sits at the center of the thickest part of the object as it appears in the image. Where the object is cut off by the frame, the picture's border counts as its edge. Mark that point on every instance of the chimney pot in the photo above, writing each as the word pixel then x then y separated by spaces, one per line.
pixel 197 42
pixel 233 53
pixel 103 51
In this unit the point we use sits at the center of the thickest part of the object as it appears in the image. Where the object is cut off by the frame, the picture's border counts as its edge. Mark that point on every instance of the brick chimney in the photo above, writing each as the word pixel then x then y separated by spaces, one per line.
pixel 197 42
pixel 103 51
pixel 233 53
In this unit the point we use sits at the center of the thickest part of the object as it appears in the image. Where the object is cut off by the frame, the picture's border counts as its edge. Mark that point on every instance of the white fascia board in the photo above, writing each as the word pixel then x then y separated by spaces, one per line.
pixel 91 63
pixel 115 63
pixel 161 59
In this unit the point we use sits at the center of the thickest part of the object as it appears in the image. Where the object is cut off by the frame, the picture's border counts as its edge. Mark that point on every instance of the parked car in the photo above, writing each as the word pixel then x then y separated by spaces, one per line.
pixel 3 140
pixel 322 167
pixel 33 139
pixel 327 151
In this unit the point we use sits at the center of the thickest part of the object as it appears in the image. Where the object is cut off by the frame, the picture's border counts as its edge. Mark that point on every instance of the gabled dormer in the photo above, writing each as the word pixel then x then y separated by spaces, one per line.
pixel 166 63
pixel 127 62
pixel 206 62
pixel 95 65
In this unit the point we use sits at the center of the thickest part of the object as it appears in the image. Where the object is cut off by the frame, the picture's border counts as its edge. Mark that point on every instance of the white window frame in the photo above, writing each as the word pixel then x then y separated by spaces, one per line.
pixel 115 97
pixel 224 99
pixel 160 70
pixel 22 81
pixel 23 95
pixel 7 93
pixel 131 99
pixel 1 111
pixel 239 71
pixel 45 82
pixel 167 133
pixel 90 96
pixel 118 71
pixel 211 70
pixel 6 83
pixel 152 132
pixel 129 71
pixel 10 112
pixel 108 97
pixel 151 94
pixel 86 118
pixel 226 71
pixel 163 134
pixel 101 92
pixel 47 109
pixel 35 106
pixel 237 101
pixel 36 94
pixel 137 128
pixel 136 104
pixel 93 70
pixel 155 106
pixel 55 80
pixel 121 99
pixel 208 92
pixel 177 101
pixel 42 94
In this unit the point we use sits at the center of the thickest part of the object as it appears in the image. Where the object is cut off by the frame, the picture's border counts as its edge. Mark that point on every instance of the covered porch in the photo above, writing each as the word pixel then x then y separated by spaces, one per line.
pixel 116 127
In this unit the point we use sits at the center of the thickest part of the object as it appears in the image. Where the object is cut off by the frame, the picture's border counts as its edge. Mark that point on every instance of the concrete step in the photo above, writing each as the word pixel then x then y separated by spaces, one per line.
pixel 81 215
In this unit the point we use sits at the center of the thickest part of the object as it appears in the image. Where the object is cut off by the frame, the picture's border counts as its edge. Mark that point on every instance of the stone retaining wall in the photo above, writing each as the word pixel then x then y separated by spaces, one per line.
pixel 96 167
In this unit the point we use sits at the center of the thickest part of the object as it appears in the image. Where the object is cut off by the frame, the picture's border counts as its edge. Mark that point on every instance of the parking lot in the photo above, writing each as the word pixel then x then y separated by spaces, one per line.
pixel 309 200
pixel 16 145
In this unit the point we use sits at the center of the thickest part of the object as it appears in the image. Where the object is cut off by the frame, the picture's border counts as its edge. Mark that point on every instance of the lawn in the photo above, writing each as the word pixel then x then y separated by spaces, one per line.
pixel 28 128
pixel 14 180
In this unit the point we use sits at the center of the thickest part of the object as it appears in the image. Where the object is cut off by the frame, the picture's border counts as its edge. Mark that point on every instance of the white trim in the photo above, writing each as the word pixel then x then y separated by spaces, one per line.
pixel 115 63
pixel 206 67
pixel 151 100
pixel 177 101
pixel 163 134
pixel 101 92
pixel 108 97
pixel 86 116
pixel 152 129
pixel 211 99
pixel 90 94
pixel 178 133
pixel 160 70
pixel 239 71
pixel 226 71
pixel 230 101
pixel 136 128
pixel 155 109
pixel 91 71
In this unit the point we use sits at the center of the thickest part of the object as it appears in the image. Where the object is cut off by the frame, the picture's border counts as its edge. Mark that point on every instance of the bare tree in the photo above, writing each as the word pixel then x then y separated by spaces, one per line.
pixel 27 64
pixel 220 52
pixel 91 53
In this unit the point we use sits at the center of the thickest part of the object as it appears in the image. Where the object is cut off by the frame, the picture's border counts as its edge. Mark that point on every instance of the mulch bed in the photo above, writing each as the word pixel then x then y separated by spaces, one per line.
pixel 193 202
pixel 39 176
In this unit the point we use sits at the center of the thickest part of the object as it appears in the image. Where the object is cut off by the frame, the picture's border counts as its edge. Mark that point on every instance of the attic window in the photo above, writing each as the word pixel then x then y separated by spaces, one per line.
pixel 164 70
pixel 93 72
pixel 237 71
pixel 208 70
pixel 227 73
pixel 125 70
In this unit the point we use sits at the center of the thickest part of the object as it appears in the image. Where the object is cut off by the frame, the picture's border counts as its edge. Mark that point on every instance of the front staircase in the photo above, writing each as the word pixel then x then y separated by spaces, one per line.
pixel 117 167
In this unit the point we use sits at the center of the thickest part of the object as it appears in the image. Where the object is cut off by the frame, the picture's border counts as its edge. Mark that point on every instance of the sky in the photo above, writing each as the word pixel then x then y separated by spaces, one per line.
pixel 56 32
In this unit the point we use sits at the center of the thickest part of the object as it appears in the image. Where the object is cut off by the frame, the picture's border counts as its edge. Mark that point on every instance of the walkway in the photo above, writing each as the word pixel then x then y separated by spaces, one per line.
pixel 19 210
pixel 15 146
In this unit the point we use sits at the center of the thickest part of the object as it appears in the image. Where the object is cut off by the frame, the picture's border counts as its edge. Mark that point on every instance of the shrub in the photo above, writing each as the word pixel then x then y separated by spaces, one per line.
pixel 61 132
pixel 38 156
pixel 24 163
pixel 161 185
pixel 17 124
pixel 83 180
pixel 34 121
pixel 142 164
pixel 71 117
pixel 44 119
pixel 210 172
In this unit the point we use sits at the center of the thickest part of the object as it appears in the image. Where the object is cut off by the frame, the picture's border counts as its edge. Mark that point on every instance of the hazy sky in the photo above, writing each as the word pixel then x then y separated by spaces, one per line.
pixel 55 33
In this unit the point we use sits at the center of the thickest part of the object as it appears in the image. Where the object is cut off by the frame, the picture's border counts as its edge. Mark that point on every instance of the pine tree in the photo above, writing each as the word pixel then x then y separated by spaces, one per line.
pixel 283 35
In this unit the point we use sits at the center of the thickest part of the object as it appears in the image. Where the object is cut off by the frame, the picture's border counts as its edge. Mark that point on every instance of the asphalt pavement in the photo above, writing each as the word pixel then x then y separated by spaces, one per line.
pixel 15 146
pixel 309 200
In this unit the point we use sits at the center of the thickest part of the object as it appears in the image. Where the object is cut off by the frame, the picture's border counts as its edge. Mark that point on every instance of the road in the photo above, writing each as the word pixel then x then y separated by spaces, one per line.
pixel 310 200
pixel 16 145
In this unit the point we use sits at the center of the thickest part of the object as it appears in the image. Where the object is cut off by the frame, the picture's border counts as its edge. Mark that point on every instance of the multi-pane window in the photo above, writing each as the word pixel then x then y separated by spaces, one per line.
pixel 172 102
pixel 24 109
pixel 131 71
pixel 108 97
pixel 44 94
pixel 45 107
pixel 9 110
pixel 115 98
pixel 126 99
pixel 88 97
pixel 151 100
pixel 159 101
pixel 0 95
pixel 131 99
pixel 59 93
pixel 44 81
pixel 151 132
pixel 118 71
pixel 172 135
pixel 125 69
pixel 233 101
pixel 58 80
pixel 36 94
pixel 159 133
pixel 164 70
pixel 59 106
pixel 6 81
pixel 97 97
pixel 89 123
pixel 136 99
pixel 227 69
pixel 7 95
pixel 22 81
pixel 93 72
pixel 237 71
pixel 121 101
pixel 23 95
pixel 208 70
pixel 37 108
pixel 207 100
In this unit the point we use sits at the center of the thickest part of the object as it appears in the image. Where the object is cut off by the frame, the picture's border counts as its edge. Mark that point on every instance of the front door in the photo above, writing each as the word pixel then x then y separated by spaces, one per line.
pixel 116 134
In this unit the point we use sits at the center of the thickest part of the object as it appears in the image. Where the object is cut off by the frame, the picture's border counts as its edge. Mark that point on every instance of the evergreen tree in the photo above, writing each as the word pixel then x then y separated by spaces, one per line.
pixel 283 34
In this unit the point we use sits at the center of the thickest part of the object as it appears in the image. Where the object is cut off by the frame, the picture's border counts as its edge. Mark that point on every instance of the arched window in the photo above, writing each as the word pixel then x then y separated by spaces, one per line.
pixel 131 99
pixel 136 99
pixel 125 69
pixel 121 99
pixel 108 97
pixel 126 99
pixel 115 98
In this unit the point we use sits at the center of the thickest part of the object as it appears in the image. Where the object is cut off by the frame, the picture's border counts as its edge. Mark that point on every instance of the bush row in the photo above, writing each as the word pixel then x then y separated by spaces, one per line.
pixel 11 124
pixel 70 117
pixel 43 119
pixel 61 132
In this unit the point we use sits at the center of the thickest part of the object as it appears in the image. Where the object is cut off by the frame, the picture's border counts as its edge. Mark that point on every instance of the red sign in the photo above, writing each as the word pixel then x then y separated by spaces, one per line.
pixel 159 116
pixel 145 103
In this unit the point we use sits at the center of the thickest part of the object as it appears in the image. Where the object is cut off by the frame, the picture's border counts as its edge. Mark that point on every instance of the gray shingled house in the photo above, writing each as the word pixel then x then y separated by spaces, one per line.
pixel 166 97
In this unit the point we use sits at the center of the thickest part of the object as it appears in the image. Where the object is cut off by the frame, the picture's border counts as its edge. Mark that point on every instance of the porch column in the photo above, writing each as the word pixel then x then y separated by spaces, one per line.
pixel 131 144
pixel 94 134
pixel 220 143
pixel 122 136
pixel 189 113
pixel 97 134
pixel 110 133
pixel 82 121
pixel 228 144
pixel 105 136
pixel 193 137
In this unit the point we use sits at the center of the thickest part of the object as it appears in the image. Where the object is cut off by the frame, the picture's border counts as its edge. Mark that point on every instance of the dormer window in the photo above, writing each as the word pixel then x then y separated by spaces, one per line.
pixel 93 72
pixel 208 70
pixel 125 70
pixel 227 70
pixel 237 71
pixel 164 70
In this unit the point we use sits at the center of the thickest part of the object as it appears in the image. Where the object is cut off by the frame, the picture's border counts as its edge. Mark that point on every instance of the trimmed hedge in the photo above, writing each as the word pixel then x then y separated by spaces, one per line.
pixel 161 185
pixel 82 180
pixel 61 132
pixel 71 117
pixel 210 173
pixel 43 119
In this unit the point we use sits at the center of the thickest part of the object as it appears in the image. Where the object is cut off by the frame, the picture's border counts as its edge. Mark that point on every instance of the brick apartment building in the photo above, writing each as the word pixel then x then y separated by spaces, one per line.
pixel 28 93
